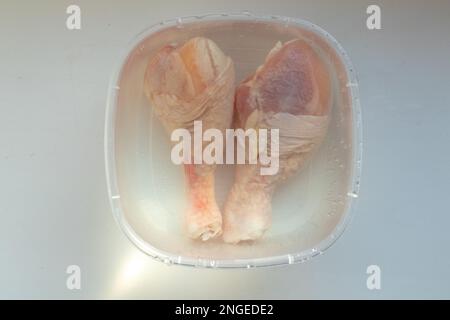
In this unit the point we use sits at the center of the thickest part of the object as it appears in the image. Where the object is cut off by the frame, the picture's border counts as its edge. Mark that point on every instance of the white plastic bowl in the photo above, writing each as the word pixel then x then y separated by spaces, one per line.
pixel 310 211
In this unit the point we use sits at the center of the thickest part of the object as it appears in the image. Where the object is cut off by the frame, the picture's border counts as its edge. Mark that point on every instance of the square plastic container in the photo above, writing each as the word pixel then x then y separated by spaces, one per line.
pixel 310 210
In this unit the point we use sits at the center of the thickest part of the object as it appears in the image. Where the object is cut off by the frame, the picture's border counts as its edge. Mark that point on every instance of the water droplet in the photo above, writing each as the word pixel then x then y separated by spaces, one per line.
pixel 179 23
pixel 351 84
pixel 352 194
pixel 290 259
pixel 200 263
pixel 212 264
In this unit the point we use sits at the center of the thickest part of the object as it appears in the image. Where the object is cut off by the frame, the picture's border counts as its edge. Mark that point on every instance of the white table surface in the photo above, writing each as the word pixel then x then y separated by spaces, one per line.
pixel 54 205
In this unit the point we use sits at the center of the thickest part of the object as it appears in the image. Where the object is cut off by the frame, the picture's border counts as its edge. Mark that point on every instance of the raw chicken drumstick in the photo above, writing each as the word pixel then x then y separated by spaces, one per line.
pixel 290 92
pixel 184 84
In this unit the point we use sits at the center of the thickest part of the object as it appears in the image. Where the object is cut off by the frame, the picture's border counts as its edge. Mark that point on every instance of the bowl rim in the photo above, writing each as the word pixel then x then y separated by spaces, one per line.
pixel 110 162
